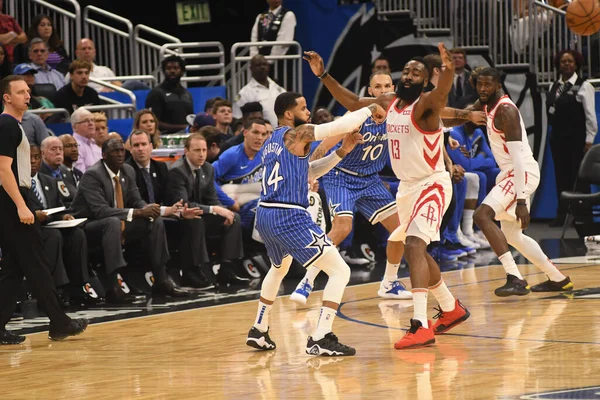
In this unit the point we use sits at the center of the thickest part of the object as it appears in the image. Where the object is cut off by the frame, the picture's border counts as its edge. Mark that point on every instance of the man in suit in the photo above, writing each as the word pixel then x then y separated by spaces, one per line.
pixel 192 180
pixel 52 159
pixel 117 216
pixel 71 175
pixel 462 93
pixel 151 179
pixel 66 248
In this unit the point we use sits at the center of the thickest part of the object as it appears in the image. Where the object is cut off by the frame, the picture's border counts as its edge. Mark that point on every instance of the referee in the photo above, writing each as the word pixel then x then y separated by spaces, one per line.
pixel 20 238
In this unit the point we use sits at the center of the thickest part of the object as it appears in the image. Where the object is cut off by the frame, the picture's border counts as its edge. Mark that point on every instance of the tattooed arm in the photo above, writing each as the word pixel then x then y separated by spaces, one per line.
pixel 324 147
pixel 453 116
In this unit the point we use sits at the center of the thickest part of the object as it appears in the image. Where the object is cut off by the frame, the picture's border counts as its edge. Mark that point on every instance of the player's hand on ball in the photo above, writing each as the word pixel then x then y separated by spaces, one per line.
pixel 315 61
pixel 378 113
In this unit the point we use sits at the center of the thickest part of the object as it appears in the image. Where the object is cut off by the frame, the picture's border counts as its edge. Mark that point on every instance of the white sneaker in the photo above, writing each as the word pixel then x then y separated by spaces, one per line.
pixel 302 292
pixel 352 258
pixel 465 241
pixel 394 290
pixel 479 237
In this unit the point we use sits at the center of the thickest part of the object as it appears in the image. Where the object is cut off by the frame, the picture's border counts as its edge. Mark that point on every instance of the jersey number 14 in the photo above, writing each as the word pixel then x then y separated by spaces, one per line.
pixel 274 178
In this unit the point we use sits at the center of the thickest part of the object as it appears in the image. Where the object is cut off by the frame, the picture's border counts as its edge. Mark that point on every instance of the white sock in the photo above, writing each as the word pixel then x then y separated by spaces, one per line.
pixel 325 323
pixel 311 274
pixel 443 296
pixel 391 271
pixel 262 317
pixel 467 222
pixel 508 262
pixel 420 306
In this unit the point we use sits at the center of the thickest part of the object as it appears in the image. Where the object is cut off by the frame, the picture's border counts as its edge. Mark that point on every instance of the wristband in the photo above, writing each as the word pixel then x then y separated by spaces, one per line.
pixel 324 75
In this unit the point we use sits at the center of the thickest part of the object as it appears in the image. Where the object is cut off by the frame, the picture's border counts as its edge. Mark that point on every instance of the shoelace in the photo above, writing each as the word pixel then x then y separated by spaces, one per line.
pixel 396 284
pixel 439 314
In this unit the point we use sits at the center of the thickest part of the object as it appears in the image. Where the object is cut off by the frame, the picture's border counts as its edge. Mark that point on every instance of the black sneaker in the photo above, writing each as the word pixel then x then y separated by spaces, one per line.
pixel 353 258
pixel 329 346
pixel 513 287
pixel 260 340
pixel 75 327
pixel 10 338
pixel 551 286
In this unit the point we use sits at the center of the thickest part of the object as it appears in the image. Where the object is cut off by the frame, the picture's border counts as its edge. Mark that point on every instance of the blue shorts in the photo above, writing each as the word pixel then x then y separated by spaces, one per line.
pixel 367 194
pixel 290 231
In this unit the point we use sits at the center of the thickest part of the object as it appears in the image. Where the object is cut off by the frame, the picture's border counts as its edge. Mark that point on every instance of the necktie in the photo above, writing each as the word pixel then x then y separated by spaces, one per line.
pixel 35 190
pixel 268 19
pixel 149 186
pixel 563 88
pixel 56 173
pixel 119 197
pixel 75 178
pixel 459 87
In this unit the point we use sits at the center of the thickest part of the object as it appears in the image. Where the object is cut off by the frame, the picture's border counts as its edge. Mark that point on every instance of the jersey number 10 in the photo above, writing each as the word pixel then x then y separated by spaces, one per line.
pixel 372 151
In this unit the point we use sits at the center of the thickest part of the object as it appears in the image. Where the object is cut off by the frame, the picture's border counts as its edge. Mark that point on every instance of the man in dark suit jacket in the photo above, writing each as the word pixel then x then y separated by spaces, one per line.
pixel 117 217
pixel 462 93
pixel 52 159
pixel 151 178
pixel 71 175
pixel 66 248
pixel 192 180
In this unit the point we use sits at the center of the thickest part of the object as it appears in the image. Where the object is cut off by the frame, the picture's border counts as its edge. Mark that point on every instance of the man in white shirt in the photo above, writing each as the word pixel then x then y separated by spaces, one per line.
pixel 261 89
pixel 86 51
pixel 277 24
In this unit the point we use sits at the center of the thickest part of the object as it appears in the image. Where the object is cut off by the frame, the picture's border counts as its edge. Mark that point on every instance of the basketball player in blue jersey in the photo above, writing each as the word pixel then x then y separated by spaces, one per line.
pixel 355 184
pixel 284 223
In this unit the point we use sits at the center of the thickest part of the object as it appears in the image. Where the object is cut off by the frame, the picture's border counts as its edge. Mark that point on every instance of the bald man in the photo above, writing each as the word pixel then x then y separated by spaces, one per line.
pixel 86 51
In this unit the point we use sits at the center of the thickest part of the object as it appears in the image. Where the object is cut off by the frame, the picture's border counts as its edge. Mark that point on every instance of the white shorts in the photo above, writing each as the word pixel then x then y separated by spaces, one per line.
pixel 421 207
pixel 502 198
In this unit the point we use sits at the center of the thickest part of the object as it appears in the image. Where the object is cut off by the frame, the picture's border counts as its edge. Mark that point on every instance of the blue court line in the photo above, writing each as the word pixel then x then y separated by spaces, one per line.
pixel 347 318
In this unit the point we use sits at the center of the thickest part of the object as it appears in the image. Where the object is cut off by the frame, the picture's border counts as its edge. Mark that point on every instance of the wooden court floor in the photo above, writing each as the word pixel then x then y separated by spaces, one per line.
pixel 507 349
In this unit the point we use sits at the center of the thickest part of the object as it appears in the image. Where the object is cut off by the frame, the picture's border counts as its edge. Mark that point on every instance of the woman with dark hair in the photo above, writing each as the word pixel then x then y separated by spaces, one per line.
pixel 571 108
pixel 42 27
pixel 5 64
pixel 145 120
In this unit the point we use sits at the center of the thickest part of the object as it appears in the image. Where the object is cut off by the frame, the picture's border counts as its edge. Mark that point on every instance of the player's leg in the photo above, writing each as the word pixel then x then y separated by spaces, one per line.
pixel 452 240
pixel 467 226
pixel 531 250
pixel 469 206
pixel 496 203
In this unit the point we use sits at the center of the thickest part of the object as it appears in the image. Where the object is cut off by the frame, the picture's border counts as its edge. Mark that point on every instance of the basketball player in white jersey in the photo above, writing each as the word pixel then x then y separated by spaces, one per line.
pixel 416 146
pixel 509 201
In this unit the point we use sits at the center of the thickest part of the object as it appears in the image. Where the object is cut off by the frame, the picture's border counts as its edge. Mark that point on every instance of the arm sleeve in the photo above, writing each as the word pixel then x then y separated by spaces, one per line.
pixel 587 95
pixel 285 34
pixel 347 123
pixel 320 167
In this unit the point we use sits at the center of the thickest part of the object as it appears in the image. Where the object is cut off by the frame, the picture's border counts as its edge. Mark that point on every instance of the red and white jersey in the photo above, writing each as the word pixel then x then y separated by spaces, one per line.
pixel 415 154
pixel 498 139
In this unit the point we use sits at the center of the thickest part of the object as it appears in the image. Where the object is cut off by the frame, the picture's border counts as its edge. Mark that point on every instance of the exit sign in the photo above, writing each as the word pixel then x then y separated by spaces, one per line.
pixel 193 12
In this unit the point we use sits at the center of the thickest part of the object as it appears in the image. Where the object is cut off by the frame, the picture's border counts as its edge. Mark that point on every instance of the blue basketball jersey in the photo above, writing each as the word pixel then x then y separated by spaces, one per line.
pixel 371 156
pixel 285 176
pixel 234 166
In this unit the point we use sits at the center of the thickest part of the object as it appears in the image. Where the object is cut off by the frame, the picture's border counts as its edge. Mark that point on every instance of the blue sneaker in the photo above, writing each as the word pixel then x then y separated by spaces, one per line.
pixel 302 292
pixel 441 256
pixel 459 247
pixel 393 290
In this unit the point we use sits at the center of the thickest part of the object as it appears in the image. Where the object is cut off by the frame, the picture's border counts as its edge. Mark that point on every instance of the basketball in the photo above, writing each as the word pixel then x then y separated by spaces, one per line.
pixel 583 17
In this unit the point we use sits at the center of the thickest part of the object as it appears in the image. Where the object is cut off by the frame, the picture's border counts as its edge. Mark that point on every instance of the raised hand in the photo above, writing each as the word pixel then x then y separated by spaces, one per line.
pixel 378 113
pixel 445 54
pixel 315 61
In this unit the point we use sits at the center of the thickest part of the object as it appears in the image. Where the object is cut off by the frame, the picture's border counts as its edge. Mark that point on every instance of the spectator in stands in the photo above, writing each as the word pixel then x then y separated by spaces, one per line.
pixel 78 93
pixel 462 93
pixel 260 88
pixel 52 165
pixel 5 64
pixel 169 101
pixel 145 120
pixel 36 102
pixel 71 174
pixel 152 180
pixel 209 104
pixel 34 128
pixel 269 128
pixel 86 51
pixel 191 179
pixel 252 110
pixel 198 121
pixel 213 142
pixel 65 248
pixel 571 109
pixel 11 33
pixel 221 112
pixel 237 126
pixel 42 27
pixel 38 55
pixel 117 217
pixel 84 131
pixel 322 116
pixel 277 24
pixel 100 128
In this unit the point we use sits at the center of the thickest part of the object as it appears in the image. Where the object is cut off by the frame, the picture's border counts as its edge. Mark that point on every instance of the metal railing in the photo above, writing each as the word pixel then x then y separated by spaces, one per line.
pixel 204 56
pixel 394 7
pixel 287 73
pixel 125 78
pixel 113 36
pixel 469 24
pixel 65 16
pixel 146 52
pixel 432 16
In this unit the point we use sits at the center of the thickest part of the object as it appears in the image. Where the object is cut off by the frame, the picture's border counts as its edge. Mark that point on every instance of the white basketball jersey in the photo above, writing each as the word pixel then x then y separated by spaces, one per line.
pixel 415 154
pixel 498 139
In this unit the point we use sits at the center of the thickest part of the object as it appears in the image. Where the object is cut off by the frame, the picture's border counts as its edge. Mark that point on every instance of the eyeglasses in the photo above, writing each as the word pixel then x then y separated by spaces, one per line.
pixel 38 51
pixel 85 121
pixel 71 145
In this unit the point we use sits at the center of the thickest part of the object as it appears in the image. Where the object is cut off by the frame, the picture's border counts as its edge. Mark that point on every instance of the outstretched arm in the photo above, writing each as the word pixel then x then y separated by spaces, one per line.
pixel 438 97
pixel 318 168
pixel 342 95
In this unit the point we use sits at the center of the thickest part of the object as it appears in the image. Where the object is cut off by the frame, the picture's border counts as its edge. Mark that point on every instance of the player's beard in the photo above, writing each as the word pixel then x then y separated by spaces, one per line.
pixel 410 93
pixel 298 122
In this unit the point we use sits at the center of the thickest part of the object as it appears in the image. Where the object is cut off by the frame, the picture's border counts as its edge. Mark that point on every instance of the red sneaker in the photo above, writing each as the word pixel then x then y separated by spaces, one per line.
pixel 417 336
pixel 447 320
